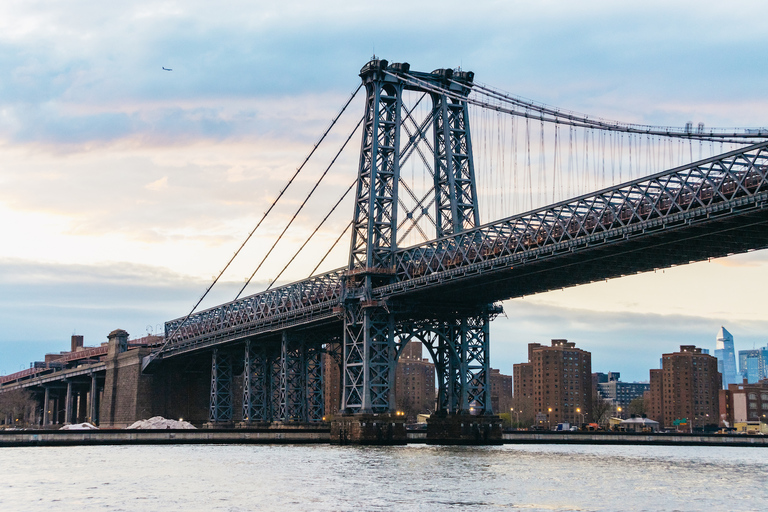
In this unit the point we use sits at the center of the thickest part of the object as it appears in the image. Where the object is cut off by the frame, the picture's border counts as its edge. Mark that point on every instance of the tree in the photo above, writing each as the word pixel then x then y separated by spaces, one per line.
pixel 600 409
pixel 637 406
pixel 16 406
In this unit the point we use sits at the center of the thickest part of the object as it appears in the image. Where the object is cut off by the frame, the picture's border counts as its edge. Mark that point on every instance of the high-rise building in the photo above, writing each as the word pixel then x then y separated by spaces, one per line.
pixel 686 390
pixel 501 392
pixel 752 364
pixel 726 357
pixel 560 383
pixel 414 382
pixel 619 393
pixel 743 403
pixel 522 398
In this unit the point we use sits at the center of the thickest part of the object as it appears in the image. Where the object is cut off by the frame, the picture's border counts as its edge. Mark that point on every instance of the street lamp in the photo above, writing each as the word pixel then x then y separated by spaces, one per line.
pixel 549 421
pixel 618 411
pixel 578 411
pixel 517 414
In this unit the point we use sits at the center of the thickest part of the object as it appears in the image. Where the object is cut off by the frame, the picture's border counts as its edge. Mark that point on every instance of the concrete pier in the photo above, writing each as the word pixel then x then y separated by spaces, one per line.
pixel 459 429
pixel 371 429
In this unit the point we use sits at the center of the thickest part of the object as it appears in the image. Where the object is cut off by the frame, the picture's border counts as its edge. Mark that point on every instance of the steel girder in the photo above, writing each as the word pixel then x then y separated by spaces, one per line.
pixel 257 382
pixel 715 186
pixel 220 409
pixel 374 228
pixel 288 305
pixel 459 347
pixel 369 360
pixel 455 189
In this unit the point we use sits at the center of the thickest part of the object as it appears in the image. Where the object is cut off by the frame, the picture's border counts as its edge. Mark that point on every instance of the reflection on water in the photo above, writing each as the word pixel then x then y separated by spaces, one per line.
pixel 416 477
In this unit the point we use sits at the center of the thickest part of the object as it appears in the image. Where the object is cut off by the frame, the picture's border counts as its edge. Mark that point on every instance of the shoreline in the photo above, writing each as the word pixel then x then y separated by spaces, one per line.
pixel 20 438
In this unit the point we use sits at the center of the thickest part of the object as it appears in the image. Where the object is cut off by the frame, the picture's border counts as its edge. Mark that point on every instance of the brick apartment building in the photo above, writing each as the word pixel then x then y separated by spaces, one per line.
pixel 744 403
pixel 686 388
pixel 414 382
pixel 555 383
pixel 501 392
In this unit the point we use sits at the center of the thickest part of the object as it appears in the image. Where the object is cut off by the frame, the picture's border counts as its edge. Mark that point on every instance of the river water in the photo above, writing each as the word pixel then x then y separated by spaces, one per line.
pixel 414 477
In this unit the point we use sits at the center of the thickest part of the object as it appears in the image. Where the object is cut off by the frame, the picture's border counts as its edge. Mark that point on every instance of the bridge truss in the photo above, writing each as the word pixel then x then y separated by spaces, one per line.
pixel 442 292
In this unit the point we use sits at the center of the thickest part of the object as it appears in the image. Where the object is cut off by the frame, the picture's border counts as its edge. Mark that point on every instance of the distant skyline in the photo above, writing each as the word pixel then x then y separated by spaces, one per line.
pixel 125 187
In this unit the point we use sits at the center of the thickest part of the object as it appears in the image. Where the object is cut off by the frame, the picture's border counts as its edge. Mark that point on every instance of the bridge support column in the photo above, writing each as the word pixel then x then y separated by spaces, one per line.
pixel 46 406
pixel 292 380
pixel 257 384
pixel 68 404
pixel 314 383
pixel 93 398
pixel 220 410
pixel 368 378
pixel 460 348
pixel 471 345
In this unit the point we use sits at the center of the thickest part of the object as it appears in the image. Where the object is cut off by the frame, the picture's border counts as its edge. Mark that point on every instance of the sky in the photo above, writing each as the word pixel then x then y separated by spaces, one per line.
pixel 124 188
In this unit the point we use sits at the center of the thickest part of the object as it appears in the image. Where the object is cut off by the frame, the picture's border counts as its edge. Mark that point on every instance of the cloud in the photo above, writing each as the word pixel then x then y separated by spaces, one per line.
pixel 157 185
pixel 110 161
pixel 74 55
pixel 42 304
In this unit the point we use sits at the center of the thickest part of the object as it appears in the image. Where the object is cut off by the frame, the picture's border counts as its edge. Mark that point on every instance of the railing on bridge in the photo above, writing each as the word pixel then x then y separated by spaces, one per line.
pixel 706 184
pixel 312 297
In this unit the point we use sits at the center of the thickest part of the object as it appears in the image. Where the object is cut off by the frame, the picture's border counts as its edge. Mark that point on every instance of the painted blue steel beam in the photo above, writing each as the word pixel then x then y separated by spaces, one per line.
pixel 727 186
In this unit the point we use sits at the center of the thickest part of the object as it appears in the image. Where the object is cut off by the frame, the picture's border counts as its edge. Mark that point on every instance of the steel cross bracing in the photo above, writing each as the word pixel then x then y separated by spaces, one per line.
pixel 257 383
pixel 719 186
pixel 369 352
pixel 283 381
pixel 220 410
pixel 713 188
pixel 669 218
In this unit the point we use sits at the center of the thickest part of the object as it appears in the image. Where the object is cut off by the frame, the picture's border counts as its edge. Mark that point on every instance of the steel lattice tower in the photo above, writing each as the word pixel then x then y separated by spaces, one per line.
pixel 372 332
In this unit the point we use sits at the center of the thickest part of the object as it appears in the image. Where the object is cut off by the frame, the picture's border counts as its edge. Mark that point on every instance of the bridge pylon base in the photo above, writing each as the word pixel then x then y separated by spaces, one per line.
pixel 463 429
pixel 369 429
pixel 219 424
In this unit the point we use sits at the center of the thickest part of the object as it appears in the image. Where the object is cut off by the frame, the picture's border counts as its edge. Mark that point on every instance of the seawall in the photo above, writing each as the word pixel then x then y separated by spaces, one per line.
pixel 322 436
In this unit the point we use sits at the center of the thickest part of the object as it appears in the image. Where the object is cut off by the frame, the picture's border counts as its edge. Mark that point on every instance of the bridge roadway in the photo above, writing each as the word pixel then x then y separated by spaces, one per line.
pixel 711 208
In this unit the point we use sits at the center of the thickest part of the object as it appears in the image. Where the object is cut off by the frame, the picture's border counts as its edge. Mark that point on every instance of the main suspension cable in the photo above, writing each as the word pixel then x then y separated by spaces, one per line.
pixel 556 116
pixel 331 249
pixel 264 216
pixel 313 234
pixel 300 207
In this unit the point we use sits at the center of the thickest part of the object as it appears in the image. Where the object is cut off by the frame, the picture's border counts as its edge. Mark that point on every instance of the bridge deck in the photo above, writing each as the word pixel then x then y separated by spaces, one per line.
pixel 711 208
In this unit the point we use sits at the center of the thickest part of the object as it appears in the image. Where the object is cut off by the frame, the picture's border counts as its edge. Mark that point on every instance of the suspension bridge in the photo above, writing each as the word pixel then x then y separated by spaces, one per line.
pixel 532 198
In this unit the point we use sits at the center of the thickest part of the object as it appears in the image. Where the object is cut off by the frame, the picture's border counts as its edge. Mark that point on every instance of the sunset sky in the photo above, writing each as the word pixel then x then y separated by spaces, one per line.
pixel 124 188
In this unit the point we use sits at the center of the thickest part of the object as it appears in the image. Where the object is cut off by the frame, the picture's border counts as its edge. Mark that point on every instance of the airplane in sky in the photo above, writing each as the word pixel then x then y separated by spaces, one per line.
pixel 166 69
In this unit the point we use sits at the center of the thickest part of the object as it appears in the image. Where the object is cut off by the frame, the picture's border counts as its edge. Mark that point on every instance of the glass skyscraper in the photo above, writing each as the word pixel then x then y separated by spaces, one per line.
pixel 752 364
pixel 726 357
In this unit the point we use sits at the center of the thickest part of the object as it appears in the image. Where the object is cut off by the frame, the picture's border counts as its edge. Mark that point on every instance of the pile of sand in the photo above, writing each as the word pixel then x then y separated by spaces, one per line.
pixel 80 426
pixel 158 422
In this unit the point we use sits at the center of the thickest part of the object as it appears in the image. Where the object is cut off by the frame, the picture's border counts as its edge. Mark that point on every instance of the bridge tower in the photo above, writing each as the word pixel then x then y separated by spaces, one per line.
pixel 374 330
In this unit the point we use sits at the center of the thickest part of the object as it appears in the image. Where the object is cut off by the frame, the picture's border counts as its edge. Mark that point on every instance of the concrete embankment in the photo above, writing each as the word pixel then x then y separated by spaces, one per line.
pixel 628 438
pixel 322 436
pixel 202 436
